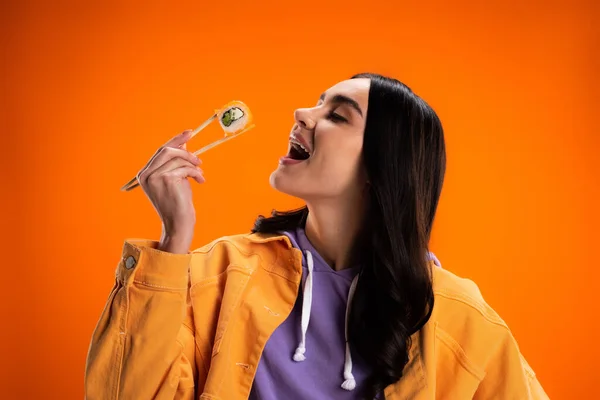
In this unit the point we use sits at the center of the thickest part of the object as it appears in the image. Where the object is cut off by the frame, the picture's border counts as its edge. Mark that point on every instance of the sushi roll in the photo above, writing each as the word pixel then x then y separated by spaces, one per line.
pixel 234 117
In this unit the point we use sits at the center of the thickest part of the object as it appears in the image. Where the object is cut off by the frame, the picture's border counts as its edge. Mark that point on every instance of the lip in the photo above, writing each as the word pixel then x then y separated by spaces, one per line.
pixel 289 161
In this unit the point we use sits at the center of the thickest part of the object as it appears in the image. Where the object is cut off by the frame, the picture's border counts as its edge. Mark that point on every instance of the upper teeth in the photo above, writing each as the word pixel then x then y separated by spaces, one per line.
pixel 296 142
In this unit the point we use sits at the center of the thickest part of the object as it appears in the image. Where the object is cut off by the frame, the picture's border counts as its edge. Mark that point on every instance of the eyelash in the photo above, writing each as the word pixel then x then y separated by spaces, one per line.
pixel 336 117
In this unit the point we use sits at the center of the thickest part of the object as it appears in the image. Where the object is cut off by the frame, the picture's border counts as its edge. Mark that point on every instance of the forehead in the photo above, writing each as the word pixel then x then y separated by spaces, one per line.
pixel 357 89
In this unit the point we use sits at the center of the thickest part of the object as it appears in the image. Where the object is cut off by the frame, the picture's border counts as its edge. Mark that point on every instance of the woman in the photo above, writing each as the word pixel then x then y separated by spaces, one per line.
pixel 338 300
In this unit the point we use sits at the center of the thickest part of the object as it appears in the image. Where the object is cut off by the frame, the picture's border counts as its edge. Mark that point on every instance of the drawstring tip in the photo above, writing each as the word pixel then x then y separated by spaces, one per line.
pixel 299 354
pixel 349 384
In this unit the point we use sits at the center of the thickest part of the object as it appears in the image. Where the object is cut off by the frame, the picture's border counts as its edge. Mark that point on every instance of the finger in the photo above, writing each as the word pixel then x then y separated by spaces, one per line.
pixel 182 172
pixel 171 165
pixel 178 141
pixel 169 153
pixel 164 156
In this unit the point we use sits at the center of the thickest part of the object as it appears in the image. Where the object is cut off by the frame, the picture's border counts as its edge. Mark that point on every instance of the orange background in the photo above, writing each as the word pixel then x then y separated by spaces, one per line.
pixel 89 91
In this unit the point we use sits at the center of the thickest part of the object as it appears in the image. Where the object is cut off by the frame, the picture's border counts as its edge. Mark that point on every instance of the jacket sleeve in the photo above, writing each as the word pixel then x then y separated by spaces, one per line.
pixel 143 344
pixel 508 375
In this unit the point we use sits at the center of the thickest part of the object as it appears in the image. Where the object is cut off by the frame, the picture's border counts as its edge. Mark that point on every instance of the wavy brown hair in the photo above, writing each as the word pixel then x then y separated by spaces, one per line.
pixel 405 159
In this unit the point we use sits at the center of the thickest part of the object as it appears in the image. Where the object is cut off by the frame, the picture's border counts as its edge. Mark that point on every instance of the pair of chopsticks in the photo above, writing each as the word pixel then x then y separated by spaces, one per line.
pixel 133 183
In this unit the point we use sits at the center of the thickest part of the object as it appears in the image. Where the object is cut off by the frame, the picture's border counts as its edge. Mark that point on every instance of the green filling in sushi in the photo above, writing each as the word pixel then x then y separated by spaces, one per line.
pixel 231 115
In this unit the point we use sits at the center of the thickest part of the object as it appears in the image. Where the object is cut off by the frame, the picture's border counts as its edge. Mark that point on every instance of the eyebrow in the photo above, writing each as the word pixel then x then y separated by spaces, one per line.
pixel 341 99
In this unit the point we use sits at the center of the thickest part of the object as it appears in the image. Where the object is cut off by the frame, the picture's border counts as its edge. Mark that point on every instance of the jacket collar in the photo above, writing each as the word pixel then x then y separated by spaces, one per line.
pixel 269 237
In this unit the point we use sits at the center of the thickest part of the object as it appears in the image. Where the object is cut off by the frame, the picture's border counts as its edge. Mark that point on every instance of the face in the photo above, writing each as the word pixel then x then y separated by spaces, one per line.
pixel 325 145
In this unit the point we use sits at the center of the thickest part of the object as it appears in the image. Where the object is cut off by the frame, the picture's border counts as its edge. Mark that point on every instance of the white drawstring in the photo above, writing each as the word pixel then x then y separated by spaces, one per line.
pixel 350 382
pixel 306 304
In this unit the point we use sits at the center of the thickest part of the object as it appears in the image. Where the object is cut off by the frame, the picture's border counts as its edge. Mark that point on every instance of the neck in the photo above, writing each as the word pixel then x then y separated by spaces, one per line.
pixel 332 228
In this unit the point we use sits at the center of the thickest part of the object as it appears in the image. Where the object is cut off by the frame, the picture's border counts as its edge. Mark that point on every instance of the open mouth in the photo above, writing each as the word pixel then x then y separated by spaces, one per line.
pixel 297 151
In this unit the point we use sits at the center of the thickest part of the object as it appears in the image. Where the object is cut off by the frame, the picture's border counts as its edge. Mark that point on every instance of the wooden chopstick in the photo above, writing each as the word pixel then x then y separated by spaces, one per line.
pixel 126 187
pixel 198 152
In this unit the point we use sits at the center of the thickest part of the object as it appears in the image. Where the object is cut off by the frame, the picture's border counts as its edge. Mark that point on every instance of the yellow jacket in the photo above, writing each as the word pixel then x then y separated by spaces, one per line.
pixel 193 326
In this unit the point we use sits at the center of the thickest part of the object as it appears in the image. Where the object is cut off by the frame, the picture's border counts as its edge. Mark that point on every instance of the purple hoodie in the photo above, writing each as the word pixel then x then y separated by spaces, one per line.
pixel 321 374
pixel 324 369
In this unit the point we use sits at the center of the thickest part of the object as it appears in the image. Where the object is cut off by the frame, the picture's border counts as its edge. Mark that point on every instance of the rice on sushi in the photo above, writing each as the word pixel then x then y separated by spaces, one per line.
pixel 234 117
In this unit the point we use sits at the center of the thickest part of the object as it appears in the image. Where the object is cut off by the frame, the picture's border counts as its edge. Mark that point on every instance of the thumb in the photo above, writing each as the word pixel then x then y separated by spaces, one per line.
pixel 180 139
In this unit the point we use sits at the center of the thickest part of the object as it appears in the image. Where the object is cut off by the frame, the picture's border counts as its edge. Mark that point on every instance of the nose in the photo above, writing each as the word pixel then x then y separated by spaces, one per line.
pixel 304 119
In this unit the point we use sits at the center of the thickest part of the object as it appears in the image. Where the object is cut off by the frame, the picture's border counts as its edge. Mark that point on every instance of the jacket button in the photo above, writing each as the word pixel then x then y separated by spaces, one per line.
pixel 130 262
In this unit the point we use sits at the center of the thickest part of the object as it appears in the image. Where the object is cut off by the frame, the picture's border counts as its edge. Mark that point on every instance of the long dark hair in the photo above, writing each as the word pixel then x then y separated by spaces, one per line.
pixel 405 160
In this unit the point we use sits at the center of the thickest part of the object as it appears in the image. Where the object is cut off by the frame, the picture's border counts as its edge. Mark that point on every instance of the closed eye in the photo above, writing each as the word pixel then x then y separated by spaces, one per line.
pixel 336 117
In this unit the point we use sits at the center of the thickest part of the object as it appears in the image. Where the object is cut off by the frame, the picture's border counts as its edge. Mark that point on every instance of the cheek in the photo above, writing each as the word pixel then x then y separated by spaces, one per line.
pixel 339 159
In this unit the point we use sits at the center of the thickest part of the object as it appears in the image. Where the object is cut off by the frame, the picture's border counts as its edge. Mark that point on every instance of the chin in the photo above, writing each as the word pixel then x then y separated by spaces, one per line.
pixel 284 183
pixel 277 180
